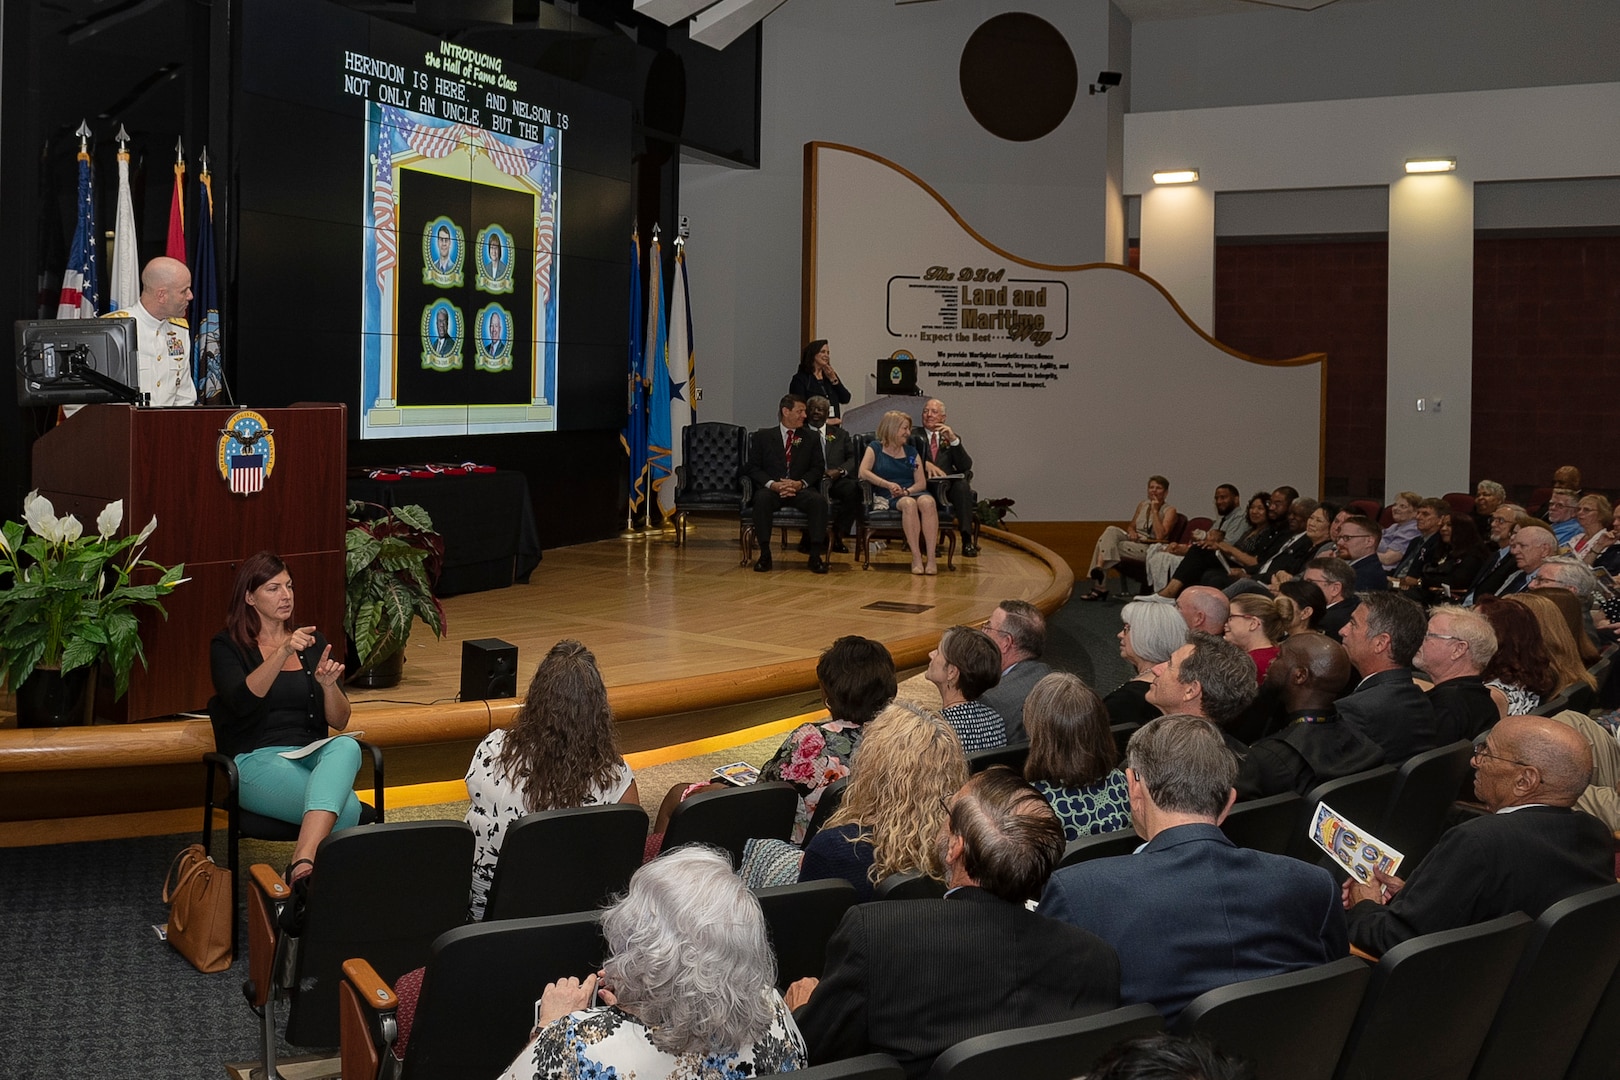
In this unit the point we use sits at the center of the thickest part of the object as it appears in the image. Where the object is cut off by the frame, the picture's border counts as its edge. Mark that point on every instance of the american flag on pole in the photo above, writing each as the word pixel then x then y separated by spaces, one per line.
pixel 382 208
pixel 247 474
pixel 81 281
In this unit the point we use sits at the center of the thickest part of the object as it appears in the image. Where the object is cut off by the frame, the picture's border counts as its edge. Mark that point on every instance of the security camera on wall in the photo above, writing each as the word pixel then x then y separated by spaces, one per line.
pixel 1106 80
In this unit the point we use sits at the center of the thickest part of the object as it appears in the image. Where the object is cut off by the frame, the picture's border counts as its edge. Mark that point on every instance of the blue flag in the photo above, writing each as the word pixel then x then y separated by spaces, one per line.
pixel 81 283
pixel 660 461
pixel 207 361
pixel 635 428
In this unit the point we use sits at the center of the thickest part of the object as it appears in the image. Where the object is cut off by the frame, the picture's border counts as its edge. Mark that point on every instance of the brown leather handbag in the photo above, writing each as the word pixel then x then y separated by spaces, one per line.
pixel 198 893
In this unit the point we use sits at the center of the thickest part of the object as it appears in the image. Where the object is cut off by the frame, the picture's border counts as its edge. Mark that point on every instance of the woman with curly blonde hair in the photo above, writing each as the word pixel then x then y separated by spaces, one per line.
pixel 909 762
pixel 560 752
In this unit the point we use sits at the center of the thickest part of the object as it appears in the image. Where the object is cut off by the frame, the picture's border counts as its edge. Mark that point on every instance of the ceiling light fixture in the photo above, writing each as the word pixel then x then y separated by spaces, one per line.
pixel 1176 176
pixel 1428 165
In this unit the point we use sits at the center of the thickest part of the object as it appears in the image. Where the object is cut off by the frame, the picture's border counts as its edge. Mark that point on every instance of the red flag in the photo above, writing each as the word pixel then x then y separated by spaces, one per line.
pixel 177 218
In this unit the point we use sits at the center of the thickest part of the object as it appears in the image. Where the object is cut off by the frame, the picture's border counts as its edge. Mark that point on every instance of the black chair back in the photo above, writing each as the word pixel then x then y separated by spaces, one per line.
pixel 909 885
pixel 1562 974
pixel 1425 788
pixel 1101 846
pixel 865 1067
pixel 1430 1001
pixel 1600 1046
pixel 710 473
pixel 383 893
pixel 1056 1051
pixel 801 919
pixel 557 861
pixel 832 797
pixel 476 1008
pixel 1012 756
pixel 1289 1027
pixel 1264 824
pixel 1122 733
pixel 729 818
pixel 1361 798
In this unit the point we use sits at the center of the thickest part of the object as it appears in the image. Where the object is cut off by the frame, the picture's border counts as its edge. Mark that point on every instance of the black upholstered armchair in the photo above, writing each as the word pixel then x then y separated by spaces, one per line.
pixel 709 479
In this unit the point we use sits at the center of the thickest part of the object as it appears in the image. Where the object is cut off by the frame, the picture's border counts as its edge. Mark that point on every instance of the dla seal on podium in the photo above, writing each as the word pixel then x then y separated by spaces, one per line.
pixel 494 260
pixel 443 253
pixel 494 339
pixel 441 336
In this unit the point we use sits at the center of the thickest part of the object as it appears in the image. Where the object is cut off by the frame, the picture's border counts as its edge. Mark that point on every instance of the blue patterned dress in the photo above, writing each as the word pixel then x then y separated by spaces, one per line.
pixel 1103 807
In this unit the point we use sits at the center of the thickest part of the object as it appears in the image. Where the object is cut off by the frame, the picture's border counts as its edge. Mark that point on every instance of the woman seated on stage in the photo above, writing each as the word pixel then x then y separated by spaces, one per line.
pixel 1073 760
pixel 966 664
pixel 688 988
pixel 560 752
pixel 1152 631
pixel 890 819
pixel 1150 524
pixel 276 690
pixel 857 680
pixel 816 378
pixel 895 471
pixel 1258 624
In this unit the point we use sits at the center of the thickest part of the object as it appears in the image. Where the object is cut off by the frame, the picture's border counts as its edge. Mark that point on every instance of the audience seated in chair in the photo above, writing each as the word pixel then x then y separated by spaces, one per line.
pixel 1018 629
pixel 1456 649
pixel 1150 524
pixel 1212 562
pixel 1230 524
pixel 963 668
pixel 1073 761
pixel 1398 536
pixel 1382 637
pixel 1190 911
pixel 912 977
pixel 1208 677
pixel 1531 850
pixel 1151 631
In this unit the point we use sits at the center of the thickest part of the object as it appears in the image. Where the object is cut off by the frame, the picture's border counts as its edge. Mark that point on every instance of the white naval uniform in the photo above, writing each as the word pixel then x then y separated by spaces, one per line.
pixel 164 357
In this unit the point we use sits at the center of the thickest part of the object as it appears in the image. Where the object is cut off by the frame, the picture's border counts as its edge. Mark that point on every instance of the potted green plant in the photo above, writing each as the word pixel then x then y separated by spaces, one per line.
pixel 991 512
pixel 69 603
pixel 393 557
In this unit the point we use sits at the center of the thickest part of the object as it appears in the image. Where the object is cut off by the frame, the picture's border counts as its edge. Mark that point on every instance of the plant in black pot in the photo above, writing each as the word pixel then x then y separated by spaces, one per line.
pixel 68 603
pixel 393 559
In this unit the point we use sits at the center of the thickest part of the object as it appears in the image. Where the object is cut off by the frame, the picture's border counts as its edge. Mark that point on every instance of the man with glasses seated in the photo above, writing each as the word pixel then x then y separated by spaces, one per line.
pixel 1561 514
pixel 1358 546
pixel 1018 629
pixel 1337 580
pixel 1532 850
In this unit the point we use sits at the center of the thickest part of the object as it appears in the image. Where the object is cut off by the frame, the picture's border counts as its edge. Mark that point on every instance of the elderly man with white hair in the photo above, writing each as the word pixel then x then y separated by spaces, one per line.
pixel 1530 547
pixel 1456 648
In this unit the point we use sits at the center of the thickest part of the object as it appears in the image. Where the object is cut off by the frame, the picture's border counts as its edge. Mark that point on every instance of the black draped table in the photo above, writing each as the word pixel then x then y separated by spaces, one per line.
pixel 486 519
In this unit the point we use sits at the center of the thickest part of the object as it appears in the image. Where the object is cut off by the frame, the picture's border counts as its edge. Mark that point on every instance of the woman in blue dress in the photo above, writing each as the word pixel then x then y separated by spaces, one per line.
pixel 894 469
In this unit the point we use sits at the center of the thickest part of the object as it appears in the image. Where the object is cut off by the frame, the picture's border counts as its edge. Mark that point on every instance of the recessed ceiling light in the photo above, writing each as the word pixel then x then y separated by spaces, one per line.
pixel 1176 176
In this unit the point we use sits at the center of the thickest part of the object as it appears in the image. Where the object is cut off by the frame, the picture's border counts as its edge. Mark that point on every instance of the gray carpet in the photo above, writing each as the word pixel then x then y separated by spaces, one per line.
pixel 87 990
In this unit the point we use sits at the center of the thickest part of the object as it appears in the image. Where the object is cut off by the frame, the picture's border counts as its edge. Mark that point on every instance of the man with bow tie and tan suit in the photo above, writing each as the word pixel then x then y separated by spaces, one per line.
pixel 786 469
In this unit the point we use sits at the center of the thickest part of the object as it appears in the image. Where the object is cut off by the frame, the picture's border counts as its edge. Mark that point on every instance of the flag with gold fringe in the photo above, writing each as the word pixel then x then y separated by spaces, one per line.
pixel 207 360
pixel 176 248
pixel 682 367
pixel 634 437
pixel 660 468
pixel 81 283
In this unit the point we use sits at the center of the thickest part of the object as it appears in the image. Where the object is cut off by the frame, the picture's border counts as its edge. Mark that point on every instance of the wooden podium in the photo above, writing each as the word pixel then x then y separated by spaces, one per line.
pixel 167 462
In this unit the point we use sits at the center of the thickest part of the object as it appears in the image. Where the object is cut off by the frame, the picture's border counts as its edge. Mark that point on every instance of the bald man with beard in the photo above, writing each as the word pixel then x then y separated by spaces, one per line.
pixel 1314 745
pixel 1532 850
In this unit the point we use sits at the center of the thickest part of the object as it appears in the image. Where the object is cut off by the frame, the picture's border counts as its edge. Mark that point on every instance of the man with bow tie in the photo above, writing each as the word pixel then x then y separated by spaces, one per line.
pixel 786 468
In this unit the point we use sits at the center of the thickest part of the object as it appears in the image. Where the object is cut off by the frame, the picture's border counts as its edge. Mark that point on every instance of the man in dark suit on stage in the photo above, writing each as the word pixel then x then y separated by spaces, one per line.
pixel 838 451
pixel 1190 911
pixel 786 468
pixel 943 454
pixel 1531 851
pixel 912 978
pixel 1018 629
pixel 1314 744
pixel 1382 637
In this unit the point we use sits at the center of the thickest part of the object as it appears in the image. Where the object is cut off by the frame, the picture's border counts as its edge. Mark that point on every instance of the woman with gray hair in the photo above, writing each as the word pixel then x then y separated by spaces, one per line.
pixel 688 989
pixel 1152 631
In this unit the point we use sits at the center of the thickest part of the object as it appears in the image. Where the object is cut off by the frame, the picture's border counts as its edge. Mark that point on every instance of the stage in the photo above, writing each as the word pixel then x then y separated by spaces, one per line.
pixel 687 639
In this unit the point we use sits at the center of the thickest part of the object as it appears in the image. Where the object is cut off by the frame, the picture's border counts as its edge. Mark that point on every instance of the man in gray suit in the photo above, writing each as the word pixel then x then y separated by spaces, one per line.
pixel 1189 911
pixel 1019 630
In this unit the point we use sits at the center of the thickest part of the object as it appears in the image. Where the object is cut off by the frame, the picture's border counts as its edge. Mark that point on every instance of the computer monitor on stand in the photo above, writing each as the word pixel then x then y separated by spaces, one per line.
pixel 77 361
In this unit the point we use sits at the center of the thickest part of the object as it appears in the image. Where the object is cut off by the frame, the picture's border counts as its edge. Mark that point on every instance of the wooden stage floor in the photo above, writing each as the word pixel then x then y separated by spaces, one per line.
pixel 692 645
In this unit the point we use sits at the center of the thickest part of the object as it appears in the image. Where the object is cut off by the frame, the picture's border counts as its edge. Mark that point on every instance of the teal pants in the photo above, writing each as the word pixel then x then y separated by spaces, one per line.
pixel 286 790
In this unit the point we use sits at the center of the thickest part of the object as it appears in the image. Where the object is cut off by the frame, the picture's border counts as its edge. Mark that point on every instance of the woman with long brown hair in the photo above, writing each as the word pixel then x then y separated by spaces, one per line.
pixel 277 690
pixel 1073 761
pixel 560 752
pixel 1521 674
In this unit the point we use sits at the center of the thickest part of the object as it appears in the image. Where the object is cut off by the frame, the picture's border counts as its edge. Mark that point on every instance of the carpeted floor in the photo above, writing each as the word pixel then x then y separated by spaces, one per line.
pixel 87 990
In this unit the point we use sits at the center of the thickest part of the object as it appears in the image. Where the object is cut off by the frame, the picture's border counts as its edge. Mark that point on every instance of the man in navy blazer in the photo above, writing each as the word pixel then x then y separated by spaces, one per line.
pixel 912 978
pixel 1384 633
pixel 1189 911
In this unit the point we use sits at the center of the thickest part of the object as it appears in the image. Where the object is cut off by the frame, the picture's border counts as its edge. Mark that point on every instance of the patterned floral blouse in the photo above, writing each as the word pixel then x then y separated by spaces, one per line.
pixel 609 1044
pixel 812 757
pixel 496 803
pixel 1103 807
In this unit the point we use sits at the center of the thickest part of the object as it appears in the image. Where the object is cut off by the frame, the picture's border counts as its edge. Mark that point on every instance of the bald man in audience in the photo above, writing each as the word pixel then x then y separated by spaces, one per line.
pixel 1601 798
pixel 1208 677
pixel 1314 745
pixel 1382 636
pixel 1530 547
pixel 1532 850
pixel 1204 608
pixel 1457 646
pixel 1190 911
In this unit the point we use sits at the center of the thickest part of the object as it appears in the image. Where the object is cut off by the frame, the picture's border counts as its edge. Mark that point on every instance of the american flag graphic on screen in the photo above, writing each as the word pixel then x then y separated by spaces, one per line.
pixel 247 474
pixel 382 208
pixel 546 226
